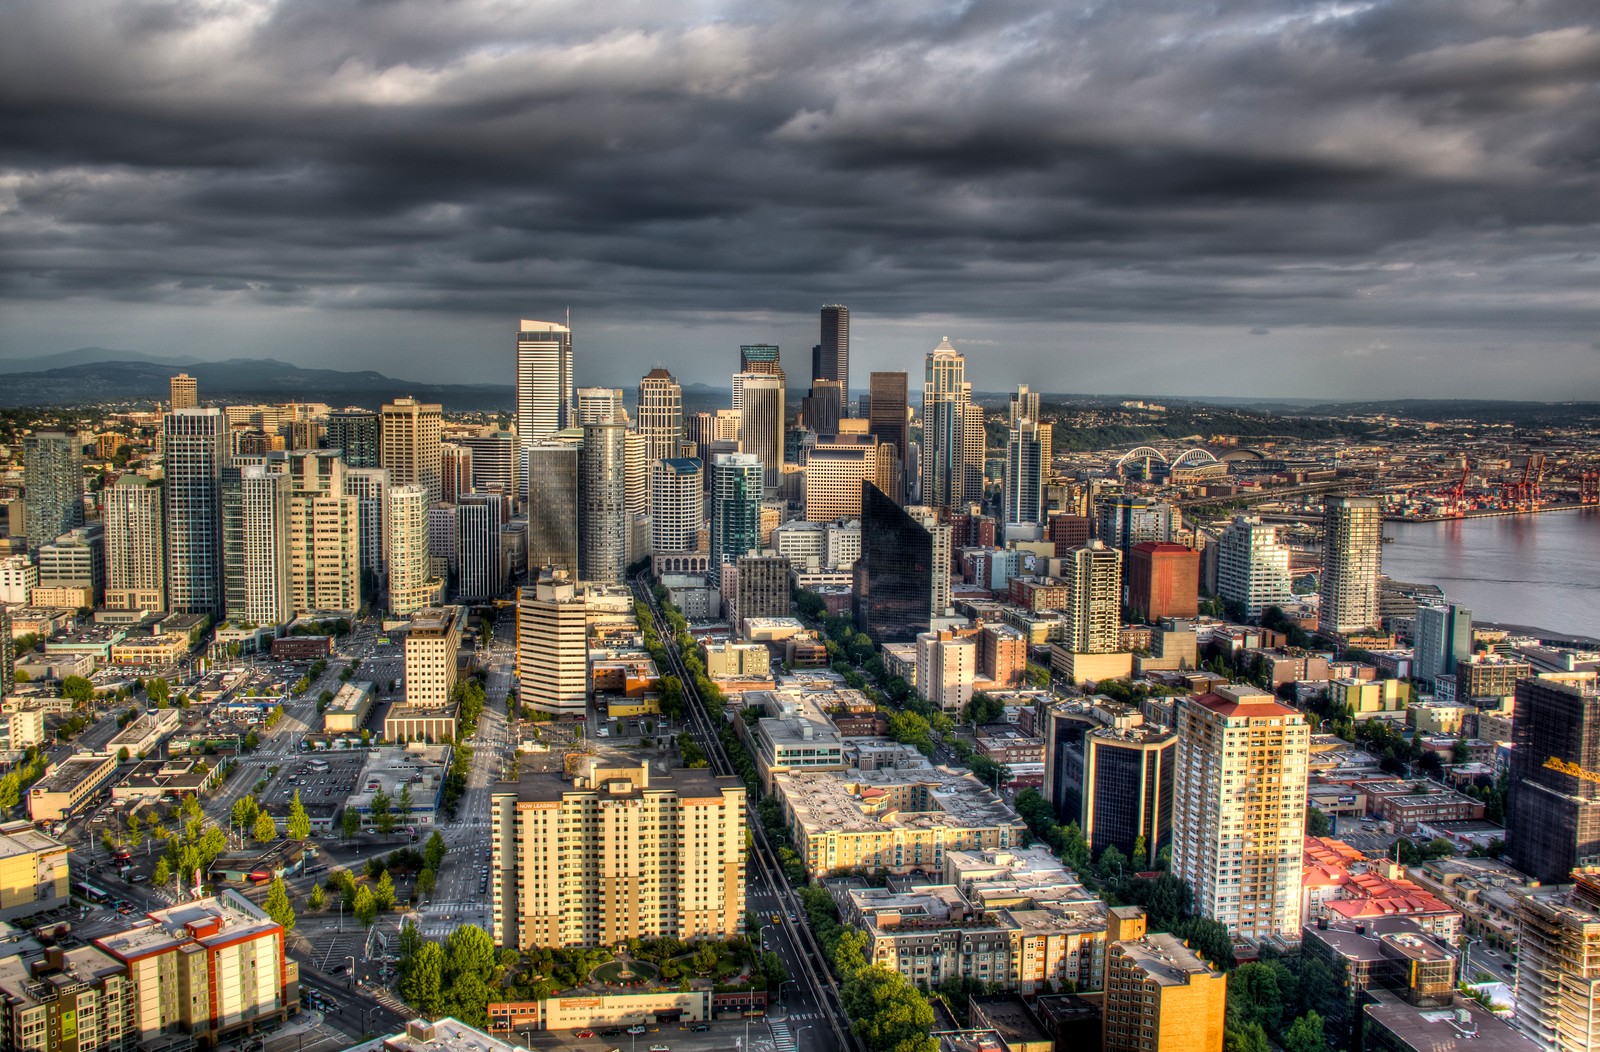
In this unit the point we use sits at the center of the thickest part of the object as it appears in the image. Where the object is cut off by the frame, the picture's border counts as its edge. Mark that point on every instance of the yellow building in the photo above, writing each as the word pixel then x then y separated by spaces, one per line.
pixel 622 708
pixel 33 871
pixel 617 853
pixel 1159 994
pixel 68 787
pixel 168 648
pixel 1369 697
pixel 1438 718
pixel 432 643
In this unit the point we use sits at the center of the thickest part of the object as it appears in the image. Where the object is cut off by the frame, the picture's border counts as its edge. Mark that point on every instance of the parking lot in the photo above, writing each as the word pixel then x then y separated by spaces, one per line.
pixel 325 786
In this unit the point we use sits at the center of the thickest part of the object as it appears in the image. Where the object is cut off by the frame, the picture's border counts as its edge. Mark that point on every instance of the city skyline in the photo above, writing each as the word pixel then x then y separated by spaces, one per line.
pixel 368 192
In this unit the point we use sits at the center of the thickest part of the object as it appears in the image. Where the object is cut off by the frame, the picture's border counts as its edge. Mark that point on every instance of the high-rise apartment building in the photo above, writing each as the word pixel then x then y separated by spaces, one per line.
pixel 52 472
pixel 354 433
pixel 68 998
pixel 135 544
pixel 952 429
pixel 636 474
pixel 76 562
pixel 835 469
pixel 553 506
pixel 947 664
pixel 617 853
pixel 1352 551
pixel 1239 814
pixel 183 392
pixel 1558 964
pixel 603 521
pixel 433 641
pixel 1163 581
pixel 1125 521
pixel 480 573
pixel 1252 566
pixel 324 533
pixel 905 555
pixel 601 405
pixel 1553 817
pixel 411 584
pixel 761 421
pixel 1113 773
pixel 455 471
pixel 496 462
pixel 409 445
pixel 888 423
pixel 737 480
pixel 833 353
pixel 195 442
pixel 677 505
pixel 1159 993
pixel 661 414
pixel 553 644
pixel 763 586
pixel 442 537
pixel 1092 614
pixel 257 543
pixel 1024 480
pixel 370 488
pixel 544 380
pixel 1442 637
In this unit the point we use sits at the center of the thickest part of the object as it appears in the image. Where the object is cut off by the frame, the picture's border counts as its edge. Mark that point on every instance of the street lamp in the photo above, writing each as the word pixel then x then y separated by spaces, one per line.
pixel 350 976
pixel 797 1033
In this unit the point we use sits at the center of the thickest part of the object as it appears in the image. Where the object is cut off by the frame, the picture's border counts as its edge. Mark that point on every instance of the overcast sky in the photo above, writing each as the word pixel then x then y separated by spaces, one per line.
pixel 1267 198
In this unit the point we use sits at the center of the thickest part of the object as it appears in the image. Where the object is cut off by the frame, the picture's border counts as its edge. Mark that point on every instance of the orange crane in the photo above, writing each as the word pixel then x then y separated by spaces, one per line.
pixel 1556 763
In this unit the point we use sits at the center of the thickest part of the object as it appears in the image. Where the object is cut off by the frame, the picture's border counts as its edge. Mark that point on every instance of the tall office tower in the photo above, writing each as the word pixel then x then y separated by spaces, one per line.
pixel 553 506
pixel 603 520
pixel 661 414
pixel 1553 817
pixel 636 471
pixel 1163 581
pixel 1024 405
pixel 1068 532
pixel 761 359
pixel 261 562
pixel 677 504
pixel 835 469
pixel 496 462
pixel 544 381
pixel 136 568
pixel 898 572
pixel 1093 610
pixel 706 428
pixel 52 472
pixel 1558 963
pixel 433 643
pixel 761 421
pixel 480 575
pixel 1128 520
pixel 1443 636
pixel 974 449
pixel 455 471
pixel 736 486
pixel 354 432
pixel 553 644
pixel 183 392
pixel 944 429
pixel 888 423
pixel 75 562
pixel 1112 772
pixel 370 488
pixel 617 853
pixel 1024 482
pixel 196 444
pixel 442 525
pixel 1239 818
pixel 833 354
pixel 824 407
pixel 409 445
pixel 411 585
pixel 324 533
pixel 600 405
pixel 1159 993
pixel 1252 567
pixel 1352 551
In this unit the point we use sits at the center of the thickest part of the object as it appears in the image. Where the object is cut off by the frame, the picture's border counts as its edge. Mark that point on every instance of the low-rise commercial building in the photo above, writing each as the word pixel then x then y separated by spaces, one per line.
pixel 726 659
pixel 144 735
pixel 171 779
pixel 408 782
pixel 69 786
pixel 416 723
pixel 1159 994
pixel 33 871
pixel 348 711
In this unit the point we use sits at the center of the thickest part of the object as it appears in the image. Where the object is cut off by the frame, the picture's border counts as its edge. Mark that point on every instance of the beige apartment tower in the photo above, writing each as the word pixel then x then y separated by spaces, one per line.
pixel 553 645
pixel 405 524
pixel 136 567
pixel 617 853
pixel 409 445
pixel 432 643
pixel 1239 809
pixel 1352 552
pixel 184 392
pixel 324 533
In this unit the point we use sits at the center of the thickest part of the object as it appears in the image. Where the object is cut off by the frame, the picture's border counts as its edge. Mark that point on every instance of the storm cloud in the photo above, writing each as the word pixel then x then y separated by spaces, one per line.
pixel 1247 196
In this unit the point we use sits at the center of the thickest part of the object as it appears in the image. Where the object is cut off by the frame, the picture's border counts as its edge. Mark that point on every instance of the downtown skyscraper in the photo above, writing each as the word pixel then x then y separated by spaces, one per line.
pixel 831 358
pixel 737 480
pixel 952 449
pixel 603 521
pixel 661 414
pixel 1352 552
pixel 553 507
pixel 52 471
pixel 409 445
pixel 196 446
pixel 136 558
pixel 887 396
pixel 544 380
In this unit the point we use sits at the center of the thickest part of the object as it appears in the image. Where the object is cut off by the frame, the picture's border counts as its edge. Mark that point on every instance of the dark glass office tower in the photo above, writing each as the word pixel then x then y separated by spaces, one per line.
pixel 355 433
pixel 894 576
pixel 833 354
pixel 887 419
pixel 552 507
pixel 1113 774
pixel 1553 817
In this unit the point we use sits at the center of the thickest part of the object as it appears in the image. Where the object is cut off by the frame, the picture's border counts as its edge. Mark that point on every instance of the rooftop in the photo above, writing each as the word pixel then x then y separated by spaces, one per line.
pixel 228 917
pixel 1165 959
pixel 880 800
pixel 1466 1025
pixel 21 838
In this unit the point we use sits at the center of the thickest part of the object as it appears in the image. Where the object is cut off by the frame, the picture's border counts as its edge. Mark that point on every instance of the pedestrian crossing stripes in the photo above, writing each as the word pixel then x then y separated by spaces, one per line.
pixel 782 1040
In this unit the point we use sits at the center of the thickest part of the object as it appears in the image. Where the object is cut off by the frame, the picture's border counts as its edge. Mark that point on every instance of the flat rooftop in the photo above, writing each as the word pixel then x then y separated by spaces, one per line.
pixel 1165 959
pixel 874 801
pixel 228 917
pixel 21 838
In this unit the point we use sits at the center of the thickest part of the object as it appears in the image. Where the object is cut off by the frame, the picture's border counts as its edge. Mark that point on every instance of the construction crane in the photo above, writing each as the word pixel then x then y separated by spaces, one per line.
pixel 1556 763
pixel 1458 492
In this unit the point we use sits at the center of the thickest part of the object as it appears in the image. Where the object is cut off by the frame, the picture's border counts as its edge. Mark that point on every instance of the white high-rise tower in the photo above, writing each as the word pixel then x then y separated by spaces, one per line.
pixel 544 380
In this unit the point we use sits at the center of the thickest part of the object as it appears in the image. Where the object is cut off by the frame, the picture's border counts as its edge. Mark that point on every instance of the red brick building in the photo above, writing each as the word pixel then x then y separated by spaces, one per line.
pixel 1163 581
pixel 1069 532
pixel 1002 655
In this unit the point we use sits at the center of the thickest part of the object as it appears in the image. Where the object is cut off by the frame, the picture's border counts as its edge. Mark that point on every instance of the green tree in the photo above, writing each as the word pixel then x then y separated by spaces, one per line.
pixel 350 824
pixel 385 892
pixel 245 810
pixel 10 790
pixel 1305 1035
pixel 277 905
pixel 471 951
pixel 424 979
pixel 78 689
pixel 850 953
pixel 265 828
pixel 1208 938
pixel 1248 1038
pixel 1255 997
pixel 299 826
pixel 158 691
pixel 318 897
pixel 426 882
pixel 887 1012
pixel 163 873
pixel 1317 822
pixel 433 851
pixel 365 906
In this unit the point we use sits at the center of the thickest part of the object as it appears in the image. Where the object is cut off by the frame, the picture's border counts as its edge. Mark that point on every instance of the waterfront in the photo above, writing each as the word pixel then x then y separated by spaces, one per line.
pixel 1538 570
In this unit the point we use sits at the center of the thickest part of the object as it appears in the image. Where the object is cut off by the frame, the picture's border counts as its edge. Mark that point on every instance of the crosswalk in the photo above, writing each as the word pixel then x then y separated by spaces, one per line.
pixel 782 1039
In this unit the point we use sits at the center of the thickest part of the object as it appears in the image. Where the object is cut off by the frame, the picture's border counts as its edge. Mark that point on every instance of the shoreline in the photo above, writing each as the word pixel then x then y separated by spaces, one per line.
pixel 1490 514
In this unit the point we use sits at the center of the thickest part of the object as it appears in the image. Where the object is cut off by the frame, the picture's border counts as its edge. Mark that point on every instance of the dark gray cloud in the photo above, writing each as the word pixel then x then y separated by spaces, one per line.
pixel 1402 193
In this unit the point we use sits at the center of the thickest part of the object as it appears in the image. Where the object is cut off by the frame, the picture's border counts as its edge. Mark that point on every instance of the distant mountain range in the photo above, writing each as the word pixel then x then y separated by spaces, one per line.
pixel 94 375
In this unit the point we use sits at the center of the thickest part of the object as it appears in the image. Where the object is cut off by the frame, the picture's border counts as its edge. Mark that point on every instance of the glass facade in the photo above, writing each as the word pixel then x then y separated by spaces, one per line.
pixel 894 576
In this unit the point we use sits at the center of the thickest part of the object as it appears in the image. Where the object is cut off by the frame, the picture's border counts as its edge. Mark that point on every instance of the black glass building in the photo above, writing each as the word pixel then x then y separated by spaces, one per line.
pixel 1553 817
pixel 894 576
